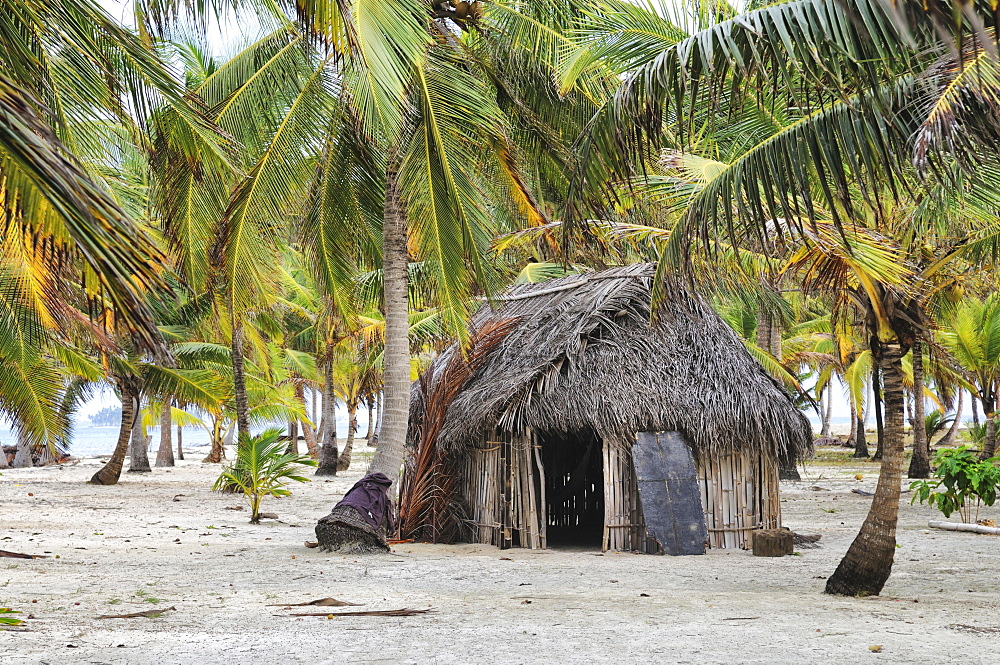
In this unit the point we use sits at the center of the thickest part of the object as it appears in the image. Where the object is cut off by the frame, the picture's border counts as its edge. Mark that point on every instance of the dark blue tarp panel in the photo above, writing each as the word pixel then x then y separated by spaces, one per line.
pixel 669 493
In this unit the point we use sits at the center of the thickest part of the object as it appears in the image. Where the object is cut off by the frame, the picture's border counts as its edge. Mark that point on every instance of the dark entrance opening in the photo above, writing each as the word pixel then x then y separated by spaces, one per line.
pixel 574 489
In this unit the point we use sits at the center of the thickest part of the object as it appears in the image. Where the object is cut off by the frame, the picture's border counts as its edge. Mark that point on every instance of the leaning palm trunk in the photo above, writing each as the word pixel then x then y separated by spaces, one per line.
pixel 218 449
pixel 920 463
pixel 180 442
pixel 949 438
pixel 344 461
pixel 879 420
pixel 388 456
pixel 165 454
pixel 868 562
pixel 827 411
pixel 307 431
pixel 373 440
pixel 112 471
pixel 140 447
pixel 328 456
pixel 371 414
pixel 23 457
pixel 309 434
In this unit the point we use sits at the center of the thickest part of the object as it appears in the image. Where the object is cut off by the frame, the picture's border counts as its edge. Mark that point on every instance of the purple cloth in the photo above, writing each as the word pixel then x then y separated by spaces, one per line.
pixel 370 498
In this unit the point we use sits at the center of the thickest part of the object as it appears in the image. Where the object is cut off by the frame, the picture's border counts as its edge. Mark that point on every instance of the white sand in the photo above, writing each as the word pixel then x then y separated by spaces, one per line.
pixel 121 547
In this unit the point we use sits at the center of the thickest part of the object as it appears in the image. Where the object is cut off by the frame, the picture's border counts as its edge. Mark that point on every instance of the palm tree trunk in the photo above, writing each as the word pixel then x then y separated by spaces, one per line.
pixel 852 438
pixel 949 438
pixel 307 431
pixel 320 425
pixel 827 407
pixel 112 471
pixel 920 463
pixel 293 437
pixel 218 449
pixel 312 414
pixel 310 436
pixel 140 446
pixel 180 442
pixel 990 442
pixel 877 403
pixel 328 456
pixel 240 382
pixel 769 339
pixel 4 464
pixel 373 441
pixel 868 562
pixel 860 442
pixel 389 452
pixel 344 461
pixel 165 455
pixel 975 409
pixel 371 415
pixel 23 457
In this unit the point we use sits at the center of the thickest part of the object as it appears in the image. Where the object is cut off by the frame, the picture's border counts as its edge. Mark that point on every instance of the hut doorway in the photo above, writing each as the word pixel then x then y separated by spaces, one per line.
pixel 574 488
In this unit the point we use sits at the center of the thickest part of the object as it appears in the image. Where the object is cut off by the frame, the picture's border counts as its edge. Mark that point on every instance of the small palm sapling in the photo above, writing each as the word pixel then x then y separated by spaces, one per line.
pixel 262 468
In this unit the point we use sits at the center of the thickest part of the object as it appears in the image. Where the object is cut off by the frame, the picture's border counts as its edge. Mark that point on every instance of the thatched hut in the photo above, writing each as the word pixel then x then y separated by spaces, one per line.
pixel 570 418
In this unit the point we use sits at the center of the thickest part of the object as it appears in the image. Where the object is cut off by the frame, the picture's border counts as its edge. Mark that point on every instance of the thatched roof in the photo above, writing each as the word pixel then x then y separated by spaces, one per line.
pixel 578 353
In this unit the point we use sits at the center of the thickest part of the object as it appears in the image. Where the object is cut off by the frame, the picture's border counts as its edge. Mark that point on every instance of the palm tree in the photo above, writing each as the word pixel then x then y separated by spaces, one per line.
pixel 971 335
pixel 63 94
pixel 843 79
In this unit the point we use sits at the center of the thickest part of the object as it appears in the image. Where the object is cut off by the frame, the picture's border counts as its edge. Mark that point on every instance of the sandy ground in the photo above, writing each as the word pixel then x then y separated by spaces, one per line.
pixel 163 540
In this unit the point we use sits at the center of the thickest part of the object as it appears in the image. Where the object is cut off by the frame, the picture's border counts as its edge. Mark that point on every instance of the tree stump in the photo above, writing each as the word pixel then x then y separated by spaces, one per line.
pixel 772 542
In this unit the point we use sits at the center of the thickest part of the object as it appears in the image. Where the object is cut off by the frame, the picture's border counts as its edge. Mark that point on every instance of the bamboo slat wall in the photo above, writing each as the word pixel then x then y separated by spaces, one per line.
pixel 483 491
pixel 505 490
pixel 624 526
pixel 738 495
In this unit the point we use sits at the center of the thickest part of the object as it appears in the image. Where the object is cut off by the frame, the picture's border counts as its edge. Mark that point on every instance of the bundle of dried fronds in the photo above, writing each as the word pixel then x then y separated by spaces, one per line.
pixel 429 508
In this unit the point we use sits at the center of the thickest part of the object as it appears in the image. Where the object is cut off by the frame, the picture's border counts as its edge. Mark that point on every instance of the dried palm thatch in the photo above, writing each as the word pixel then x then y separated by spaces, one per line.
pixel 583 356
pixel 427 507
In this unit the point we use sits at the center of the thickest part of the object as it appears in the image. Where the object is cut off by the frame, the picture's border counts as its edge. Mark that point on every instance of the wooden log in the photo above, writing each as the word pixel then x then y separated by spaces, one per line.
pixel 772 542
pixel 963 526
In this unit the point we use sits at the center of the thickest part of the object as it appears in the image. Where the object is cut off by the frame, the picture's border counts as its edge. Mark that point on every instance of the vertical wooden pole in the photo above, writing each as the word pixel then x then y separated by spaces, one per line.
pixel 606 540
pixel 542 500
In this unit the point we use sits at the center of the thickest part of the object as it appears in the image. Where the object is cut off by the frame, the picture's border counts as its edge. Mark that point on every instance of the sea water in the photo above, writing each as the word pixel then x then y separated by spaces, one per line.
pixel 89 441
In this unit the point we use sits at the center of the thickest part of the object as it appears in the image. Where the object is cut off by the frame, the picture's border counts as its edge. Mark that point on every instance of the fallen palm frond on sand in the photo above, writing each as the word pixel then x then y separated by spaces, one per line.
pixel 320 602
pixel 148 614
pixel 17 555
pixel 405 612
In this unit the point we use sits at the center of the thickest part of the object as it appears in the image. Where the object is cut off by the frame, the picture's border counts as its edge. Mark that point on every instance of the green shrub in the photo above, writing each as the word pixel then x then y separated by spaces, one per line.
pixel 262 468
pixel 976 433
pixel 961 481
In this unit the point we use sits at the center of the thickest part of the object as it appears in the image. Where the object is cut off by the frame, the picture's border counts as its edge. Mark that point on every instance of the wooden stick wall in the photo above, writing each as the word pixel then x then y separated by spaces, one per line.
pixel 738 495
pixel 505 488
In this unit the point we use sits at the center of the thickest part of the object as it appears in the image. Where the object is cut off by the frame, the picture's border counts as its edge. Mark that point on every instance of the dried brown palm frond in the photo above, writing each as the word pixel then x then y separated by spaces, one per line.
pixel 427 504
